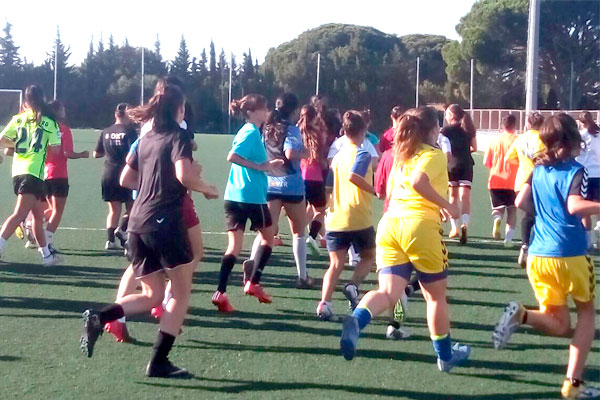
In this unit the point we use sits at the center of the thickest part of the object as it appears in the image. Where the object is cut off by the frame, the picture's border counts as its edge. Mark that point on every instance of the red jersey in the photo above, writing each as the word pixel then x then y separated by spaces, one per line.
pixel 56 164
pixel 386 162
pixel 386 141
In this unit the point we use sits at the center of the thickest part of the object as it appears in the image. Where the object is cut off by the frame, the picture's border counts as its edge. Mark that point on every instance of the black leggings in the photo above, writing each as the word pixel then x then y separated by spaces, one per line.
pixel 526 226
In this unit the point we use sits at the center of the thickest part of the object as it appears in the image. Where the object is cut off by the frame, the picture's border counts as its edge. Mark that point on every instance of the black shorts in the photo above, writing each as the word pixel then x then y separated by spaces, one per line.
pixel 58 187
pixel 593 193
pixel 461 176
pixel 502 197
pixel 285 198
pixel 159 250
pixel 236 215
pixel 29 184
pixel 113 191
pixel 363 239
pixel 315 194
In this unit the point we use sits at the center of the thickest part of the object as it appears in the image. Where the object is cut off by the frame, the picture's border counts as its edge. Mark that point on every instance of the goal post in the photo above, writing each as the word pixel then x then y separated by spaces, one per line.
pixel 11 103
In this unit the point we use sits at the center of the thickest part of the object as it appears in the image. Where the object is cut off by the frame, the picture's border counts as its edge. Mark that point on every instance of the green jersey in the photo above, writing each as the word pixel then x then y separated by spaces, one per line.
pixel 31 142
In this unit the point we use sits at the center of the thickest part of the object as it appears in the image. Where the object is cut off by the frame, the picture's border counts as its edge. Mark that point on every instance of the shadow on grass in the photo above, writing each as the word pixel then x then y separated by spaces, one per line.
pixel 10 358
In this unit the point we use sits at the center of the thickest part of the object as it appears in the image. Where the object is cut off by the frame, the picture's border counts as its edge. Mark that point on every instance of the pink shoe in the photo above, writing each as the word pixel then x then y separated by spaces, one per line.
pixel 119 331
pixel 157 312
pixel 257 291
pixel 222 302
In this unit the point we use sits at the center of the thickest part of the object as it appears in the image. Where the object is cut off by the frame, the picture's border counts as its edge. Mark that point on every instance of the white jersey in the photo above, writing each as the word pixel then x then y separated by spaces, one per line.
pixel 341 141
pixel 444 143
pixel 147 127
pixel 590 154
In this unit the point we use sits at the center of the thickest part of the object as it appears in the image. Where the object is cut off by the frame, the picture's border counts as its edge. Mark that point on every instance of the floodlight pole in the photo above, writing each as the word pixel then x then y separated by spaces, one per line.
pixel 318 73
pixel 230 79
pixel 142 83
pixel 571 86
pixel 471 87
pixel 55 68
pixel 417 83
pixel 533 39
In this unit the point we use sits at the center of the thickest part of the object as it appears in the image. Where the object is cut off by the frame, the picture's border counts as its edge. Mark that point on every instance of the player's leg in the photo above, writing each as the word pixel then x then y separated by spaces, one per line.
pixel 453 198
pixel 337 255
pixel 112 221
pixel 297 219
pixel 497 212
pixel 58 207
pixel 23 205
pixel 121 230
pixel 511 225
pixel 583 338
pixel 526 226
pixel 235 242
pixel 465 202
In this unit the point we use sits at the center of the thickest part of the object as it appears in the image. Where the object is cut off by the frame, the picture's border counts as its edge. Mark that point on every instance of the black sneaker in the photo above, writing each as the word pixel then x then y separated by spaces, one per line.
pixel 351 293
pixel 166 370
pixel 92 329
pixel 122 236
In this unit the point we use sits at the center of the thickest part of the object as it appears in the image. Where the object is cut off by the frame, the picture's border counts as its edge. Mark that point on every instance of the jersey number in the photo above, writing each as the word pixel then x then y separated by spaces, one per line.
pixel 22 146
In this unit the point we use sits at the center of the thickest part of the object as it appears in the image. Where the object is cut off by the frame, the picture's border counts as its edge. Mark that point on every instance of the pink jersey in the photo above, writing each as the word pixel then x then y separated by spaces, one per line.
pixel 56 164
pixel 311 171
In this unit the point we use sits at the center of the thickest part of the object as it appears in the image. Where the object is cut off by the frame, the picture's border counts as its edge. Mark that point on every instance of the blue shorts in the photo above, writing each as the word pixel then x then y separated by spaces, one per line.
pixel 363 239
pixel 405 271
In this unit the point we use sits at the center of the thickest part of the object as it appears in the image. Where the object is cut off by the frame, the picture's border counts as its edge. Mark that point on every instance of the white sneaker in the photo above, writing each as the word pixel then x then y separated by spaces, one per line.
pixel 325 311
pixel 30 245
pixel 460 353
pixel 397 333
pixel 313 246
pixel 51 260
pixel 509 322
pixel 110 245
pixel 508 244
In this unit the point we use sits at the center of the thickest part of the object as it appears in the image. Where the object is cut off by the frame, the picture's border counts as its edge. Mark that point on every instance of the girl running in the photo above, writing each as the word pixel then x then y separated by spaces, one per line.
pixel 31 134
pixel 387 139
pixel 590 159
pixel 57 177
pixel 463 141
pixel 246 198
pixel 114 143
pixel 158 240
pixel 557 264
pixel 409 237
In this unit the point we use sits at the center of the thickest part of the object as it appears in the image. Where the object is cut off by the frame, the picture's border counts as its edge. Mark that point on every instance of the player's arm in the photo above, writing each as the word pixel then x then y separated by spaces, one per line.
pixel 129 178
pixel 473 145
pixel 99 151
pixel 432 164
pixel 8 137
pixel 576 202
pixel 524 199
pixel 239 160
pixel 359 172
pixel 187 174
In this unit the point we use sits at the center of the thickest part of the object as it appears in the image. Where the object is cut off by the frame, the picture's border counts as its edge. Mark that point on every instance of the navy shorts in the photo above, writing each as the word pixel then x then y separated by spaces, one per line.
pixel 405 271
pixel 363 239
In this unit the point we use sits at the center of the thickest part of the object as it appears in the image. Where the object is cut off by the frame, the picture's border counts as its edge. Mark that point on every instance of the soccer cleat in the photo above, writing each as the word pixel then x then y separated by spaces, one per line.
pixel 307 283
pixel 460 353
pixel 568 391
pixel 222 302
pixel 256 290
pixel 165 370
pixel 394 333
pixel 277 241
pixel 453 233
pixel 51 260
pixel 20 231
pixel 509 322
pixel 508 244
pixel 463 234
pixel 110 245
pixel 92 329
pixel 248 267
pixel 157 312
pixel 496 229
pixel 522 260
pixel 313 246
pixel 351 293
pixel 325 311
pixel 119 331
pixel 400 308
pixel 122 236
pixel 350 331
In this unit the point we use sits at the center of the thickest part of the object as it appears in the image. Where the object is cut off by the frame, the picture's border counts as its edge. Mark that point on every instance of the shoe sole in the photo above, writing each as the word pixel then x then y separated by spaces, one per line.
pixel 346 346
pixel 222 310
pixel 352 302
pixel 509 312
pixel 87 346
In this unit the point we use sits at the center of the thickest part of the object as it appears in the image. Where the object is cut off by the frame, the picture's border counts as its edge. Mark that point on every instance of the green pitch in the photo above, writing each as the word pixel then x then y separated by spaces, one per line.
pixel 262 351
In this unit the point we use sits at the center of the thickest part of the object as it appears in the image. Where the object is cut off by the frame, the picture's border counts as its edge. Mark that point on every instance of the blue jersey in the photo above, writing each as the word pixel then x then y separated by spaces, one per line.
pixel 287 180
pixel 132 149
pixel 556 233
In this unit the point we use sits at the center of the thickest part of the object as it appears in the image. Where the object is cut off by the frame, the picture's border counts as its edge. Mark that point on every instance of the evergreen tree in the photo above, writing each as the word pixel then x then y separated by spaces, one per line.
pixel 9 52
pixel 180 66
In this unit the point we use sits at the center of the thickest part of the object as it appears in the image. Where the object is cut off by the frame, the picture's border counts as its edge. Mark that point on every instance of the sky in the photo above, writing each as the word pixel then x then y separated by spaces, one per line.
pixel 233 25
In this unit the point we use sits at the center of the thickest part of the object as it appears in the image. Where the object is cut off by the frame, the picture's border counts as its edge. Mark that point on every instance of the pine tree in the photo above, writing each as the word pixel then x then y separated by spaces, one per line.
pixel 213 62
pixel 9 52
pixel 180 66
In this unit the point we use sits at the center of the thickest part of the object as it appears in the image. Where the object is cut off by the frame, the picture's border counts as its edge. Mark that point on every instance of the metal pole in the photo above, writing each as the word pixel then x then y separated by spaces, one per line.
pixel 571 88
pixel 230 79
pixel 55 68
pixel 471 87
pixel 417 83
pixel 318 72
pixel 533 38
pixel 142 89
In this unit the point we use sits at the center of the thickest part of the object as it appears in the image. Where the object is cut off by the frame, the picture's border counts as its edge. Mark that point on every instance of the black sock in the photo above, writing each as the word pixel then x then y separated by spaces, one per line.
pixel 162 347
pixel 123 223
pixel 262 256
pixel 315 227
pixel 526 226
pixel 111 313
pixel 111 234
pixel 227 263
pixel 394 323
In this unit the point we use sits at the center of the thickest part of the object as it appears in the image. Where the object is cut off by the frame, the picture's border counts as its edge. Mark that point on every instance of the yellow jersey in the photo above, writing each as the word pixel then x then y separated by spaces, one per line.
pixel 524 149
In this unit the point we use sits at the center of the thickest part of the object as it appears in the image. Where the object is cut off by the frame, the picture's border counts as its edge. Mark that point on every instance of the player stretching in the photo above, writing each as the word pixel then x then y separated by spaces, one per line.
pixel 409 237
pixel 557 264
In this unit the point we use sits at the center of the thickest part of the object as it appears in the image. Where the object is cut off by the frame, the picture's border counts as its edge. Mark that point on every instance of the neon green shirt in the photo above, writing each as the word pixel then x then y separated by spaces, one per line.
pixel 31 142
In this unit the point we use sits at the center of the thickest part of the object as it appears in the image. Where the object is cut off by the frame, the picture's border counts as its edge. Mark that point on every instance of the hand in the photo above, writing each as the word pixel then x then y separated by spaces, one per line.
pixel 452 210
pixel 211 192
pixel 271 165
pixel 85 154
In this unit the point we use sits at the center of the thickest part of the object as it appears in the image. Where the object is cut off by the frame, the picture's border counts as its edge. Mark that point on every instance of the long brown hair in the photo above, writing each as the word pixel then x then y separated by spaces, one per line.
pixel 34 97
pixel 276 124
pixel 412 130
pixel 162 108
pixel 312 136
pixel 588 121
pixel 466 123
pixel 250 102
pixel 561 137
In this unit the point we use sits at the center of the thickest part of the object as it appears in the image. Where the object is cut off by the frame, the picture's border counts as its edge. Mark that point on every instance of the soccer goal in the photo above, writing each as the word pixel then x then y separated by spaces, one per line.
pixel 11 101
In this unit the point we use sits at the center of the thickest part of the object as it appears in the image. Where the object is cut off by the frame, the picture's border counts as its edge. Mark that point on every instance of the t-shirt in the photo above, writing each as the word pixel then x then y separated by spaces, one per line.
pixel 502 174
pixel 524 149
pixel 556 232
pixel 444 144
pixel 31 142
pixel 590 153
pixel 56 164
pixel 114 142
pixel 381 175
pixel 460 143
pixel 371 137
pixel 387 140
pixel 247 185
pixel 160 194
pixel 311 170
pixel 405 201
pixel 286 179
pixel 351 208
pixel 343 140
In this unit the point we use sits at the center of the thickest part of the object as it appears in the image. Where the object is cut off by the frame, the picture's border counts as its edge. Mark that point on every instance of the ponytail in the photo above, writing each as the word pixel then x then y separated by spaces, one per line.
pixel 250 102
pixel 309 125
pixel 588 121
pixel 466 123
pixel 162 108
pixel 412 131
pixel 34 97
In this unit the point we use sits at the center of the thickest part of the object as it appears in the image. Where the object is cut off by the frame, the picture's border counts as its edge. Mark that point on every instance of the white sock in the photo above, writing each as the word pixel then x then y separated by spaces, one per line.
pixel 465 219
pixel 590 239
pixel 49 236
pixel 353 255
pixel 509 234
pixel 2 244
pixel 168 296
pixel 255 246
pixel 299 249
pixel 44 251
pixel 121 320
pixel 454 223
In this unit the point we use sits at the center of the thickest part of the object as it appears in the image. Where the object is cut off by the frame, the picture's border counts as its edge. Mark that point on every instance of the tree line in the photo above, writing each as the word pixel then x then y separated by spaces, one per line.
pixel 361 67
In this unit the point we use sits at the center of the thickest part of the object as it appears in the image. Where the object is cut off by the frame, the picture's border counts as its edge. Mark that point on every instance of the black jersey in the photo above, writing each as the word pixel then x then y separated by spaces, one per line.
pixel 460 141
pixel 114 143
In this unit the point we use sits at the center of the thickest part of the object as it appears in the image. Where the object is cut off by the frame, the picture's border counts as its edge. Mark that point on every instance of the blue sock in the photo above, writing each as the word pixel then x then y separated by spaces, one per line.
pixel 442 345
pixel 363 315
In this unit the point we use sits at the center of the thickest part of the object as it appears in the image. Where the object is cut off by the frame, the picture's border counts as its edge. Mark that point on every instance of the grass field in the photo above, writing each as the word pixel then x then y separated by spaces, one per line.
pixel 262 351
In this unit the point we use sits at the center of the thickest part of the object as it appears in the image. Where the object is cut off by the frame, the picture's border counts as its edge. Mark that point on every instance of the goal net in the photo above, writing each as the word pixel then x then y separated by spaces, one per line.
pixel 11 101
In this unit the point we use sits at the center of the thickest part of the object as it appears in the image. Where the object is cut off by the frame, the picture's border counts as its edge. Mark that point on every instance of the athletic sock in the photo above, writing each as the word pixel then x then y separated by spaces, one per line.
pixel 315 228
pixel 394 323
pixel 255 246
pixel 2 244
pixel 590 239
pixel 526 226
pixel 262 257
pixel 442 344
pixel 44 251
pixel 363 316
pixel 162 347
pixel 509 234
pixel 466 218
pixel 110 313
pixel 299 250
pixel 497 213
pixel 123 223
pixel 49 236
pixel 168 296
pixel 111 234
pixel 227 263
